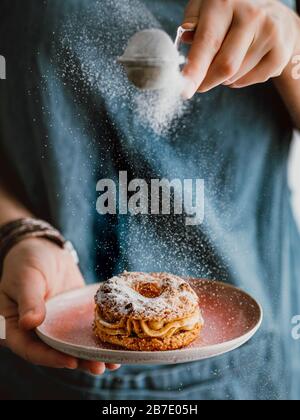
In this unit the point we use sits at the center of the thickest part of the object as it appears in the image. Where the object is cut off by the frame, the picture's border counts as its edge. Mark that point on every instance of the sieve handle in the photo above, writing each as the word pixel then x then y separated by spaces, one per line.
pixel 180 32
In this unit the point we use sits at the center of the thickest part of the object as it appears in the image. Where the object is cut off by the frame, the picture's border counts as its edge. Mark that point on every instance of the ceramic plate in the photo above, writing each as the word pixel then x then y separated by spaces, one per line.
pixel 231 316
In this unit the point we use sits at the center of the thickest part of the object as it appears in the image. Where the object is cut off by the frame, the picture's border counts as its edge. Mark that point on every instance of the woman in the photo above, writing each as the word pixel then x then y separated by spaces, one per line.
pixel 67 120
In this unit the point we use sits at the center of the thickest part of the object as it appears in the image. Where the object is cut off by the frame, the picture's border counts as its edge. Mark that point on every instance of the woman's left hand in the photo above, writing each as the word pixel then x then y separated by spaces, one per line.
pixel 238 43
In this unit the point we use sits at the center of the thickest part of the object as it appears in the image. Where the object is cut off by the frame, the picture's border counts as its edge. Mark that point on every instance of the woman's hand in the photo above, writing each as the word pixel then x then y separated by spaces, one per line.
pixel 238 43
pixel 33 271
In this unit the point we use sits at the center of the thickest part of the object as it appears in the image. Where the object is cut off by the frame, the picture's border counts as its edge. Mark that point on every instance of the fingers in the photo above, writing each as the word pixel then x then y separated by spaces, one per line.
pixel 235 43
pixel 191 19
pixel 31 298
pixel 191 14
pixel 97 368
pixel 27 288
pixel 259 49
pixel 27 346
pixel 213 25
pixel 253 58
pixel 112 367
pixel 260 74
pixel 260 65
pixel 231 55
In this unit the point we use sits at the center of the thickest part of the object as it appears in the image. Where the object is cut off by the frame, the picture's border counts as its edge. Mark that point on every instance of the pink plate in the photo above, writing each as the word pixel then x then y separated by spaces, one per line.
pixel 231 317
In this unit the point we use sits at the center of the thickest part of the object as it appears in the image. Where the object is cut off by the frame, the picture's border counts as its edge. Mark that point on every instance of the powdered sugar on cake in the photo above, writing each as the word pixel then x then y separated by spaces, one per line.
pixel 120 294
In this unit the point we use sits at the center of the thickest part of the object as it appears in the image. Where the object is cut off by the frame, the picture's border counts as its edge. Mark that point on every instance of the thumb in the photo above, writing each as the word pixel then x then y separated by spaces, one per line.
pixel 190 21
pixel 191 14
pixel 31 299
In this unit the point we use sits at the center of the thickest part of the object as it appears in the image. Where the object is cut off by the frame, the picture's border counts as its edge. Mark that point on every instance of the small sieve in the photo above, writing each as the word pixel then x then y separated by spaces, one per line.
pixel 152 59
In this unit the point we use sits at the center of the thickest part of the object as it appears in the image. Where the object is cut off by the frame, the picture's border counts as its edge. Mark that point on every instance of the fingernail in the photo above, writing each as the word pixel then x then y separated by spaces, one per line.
pixel 72 365
pixel 97 372
pixel 114 367
pixel 189 25
pixel 227 83
pixel 190 89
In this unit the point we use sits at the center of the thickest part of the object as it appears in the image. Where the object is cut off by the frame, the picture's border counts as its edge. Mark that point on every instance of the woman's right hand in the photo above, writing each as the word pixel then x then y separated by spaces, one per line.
pixel 34 271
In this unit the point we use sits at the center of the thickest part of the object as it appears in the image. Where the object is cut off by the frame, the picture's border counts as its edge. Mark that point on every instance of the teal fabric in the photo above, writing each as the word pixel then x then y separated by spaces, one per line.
pixel 62 130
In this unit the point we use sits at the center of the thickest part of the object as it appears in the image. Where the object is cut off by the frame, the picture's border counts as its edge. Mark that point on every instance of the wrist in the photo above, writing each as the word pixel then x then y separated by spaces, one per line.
pixel 16 232
pixel 13 215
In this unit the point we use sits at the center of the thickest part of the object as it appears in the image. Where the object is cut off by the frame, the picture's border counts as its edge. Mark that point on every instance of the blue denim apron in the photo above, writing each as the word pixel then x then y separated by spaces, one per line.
pixel 66 122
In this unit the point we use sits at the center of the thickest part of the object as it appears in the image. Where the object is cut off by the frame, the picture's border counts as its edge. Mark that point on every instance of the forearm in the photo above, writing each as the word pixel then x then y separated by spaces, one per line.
pixel 10 207
pixel 288 85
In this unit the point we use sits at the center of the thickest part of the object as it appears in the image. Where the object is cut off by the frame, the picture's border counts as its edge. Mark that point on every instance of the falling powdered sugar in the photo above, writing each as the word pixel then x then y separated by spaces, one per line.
pixel 159 109
pixel 152 62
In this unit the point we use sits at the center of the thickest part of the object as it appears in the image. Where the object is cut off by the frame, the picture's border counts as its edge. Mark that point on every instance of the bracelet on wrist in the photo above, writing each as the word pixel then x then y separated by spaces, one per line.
pixel 15 232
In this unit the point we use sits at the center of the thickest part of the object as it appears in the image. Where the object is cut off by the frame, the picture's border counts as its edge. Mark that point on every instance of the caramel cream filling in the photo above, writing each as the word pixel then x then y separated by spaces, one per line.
pixel 142 329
